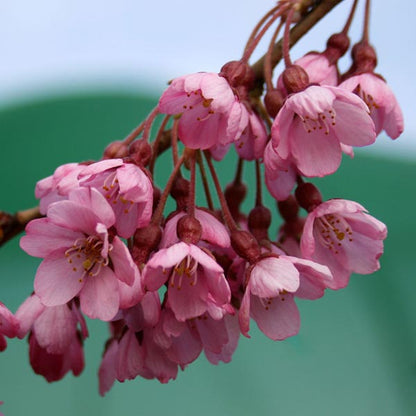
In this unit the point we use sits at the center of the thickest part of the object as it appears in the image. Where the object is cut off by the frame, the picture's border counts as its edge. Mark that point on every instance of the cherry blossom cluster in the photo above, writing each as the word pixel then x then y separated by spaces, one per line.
pixel 172 285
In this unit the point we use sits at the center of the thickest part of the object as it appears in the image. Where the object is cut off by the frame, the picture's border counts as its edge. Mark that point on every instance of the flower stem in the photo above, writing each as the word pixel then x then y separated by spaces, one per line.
pixel 224 206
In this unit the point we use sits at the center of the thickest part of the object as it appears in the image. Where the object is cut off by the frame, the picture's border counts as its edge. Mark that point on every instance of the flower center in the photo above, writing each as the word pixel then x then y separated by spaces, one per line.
pixel 201 105
pixel 333 231
pixel 85 256
pixel 323 121
pixel 112 193
pixel 186 268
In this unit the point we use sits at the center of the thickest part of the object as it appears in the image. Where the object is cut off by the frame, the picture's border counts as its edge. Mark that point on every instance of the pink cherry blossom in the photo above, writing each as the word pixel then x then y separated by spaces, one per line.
pixel 280 174
pixel 55 345
pixel 128 190
pixel 193 278
pixel 384 108
pixel 81 258
pixel 250 145
pixel 268 298
pixel 124 357
pixel 57 186
pixel 210 112
pixel 9 326
pixel 313 124
pixel 341 235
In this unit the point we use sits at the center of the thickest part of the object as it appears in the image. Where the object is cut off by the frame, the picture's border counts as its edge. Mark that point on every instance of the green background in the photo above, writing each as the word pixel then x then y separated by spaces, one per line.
pixel 356 350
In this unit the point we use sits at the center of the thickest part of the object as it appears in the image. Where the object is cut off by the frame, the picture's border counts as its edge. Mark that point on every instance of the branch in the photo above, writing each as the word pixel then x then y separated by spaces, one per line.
pixel 304 25
pixel 11 225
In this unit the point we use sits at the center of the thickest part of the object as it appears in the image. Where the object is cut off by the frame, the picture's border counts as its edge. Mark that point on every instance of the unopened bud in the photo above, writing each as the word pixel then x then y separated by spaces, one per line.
pixel 289 209
pixel 238 74
pixel 364 57
pixel 259 220
pixel 308 196
pixel 189 229
pixel 140 152
pixel 245 245
pixel 295 79
pixel 115 150
pixel 273 101
pixel 180 192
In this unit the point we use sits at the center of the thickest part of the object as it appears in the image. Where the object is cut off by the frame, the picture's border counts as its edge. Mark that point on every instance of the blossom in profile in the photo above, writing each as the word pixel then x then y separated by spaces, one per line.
pixel 210 113
pixel 57 186
pixel 268 298
pixel 55 337
pixel 9 326
pixel 384 108
pixel 81 257
pixel 314 123
pixel 341 235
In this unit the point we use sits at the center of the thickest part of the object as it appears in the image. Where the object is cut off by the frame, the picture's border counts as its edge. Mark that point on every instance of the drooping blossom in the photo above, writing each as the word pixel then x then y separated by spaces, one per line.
pixel 9 326
pixel 81 257
pixel 250 145
pixel 384 108
pixel 193 278
pixel 313 124
pixel 57 186
pixel 341 235
pixel 265 300
pixel 55 337
pixel 127 189
pixel 279 174
pixel 210 113
pixel 124 355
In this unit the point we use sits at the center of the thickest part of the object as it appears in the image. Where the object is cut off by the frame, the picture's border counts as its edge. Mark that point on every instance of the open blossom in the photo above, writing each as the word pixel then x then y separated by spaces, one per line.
pixel 384 108
pixel 194 279
pixel 210 112
pixel 265 300
pixel 9 326
pixel 55 342
pixel 313 124
pixel 340 234
pixel 127 189
pixel 80 257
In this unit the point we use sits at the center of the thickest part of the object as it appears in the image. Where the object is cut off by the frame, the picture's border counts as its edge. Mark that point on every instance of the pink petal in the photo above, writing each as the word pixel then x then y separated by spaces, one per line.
pixel 99 297
pixel 96 202
pixel 124 267
pixel 43 237
pixel 272 275
pixel 55 329
pixel 279 318
pixel 316 153
pixel 57 281
pixel 27 313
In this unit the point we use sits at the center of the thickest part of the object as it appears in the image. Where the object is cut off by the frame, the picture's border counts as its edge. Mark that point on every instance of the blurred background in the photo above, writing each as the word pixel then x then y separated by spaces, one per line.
pixel 75 75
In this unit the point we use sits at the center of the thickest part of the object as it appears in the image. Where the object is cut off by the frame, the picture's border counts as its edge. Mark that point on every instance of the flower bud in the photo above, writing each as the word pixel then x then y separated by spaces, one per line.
pixel 273 101
pixel 140 152
pixel 245 245
pixel 189 229
pixel 288 209
pixel 114 150
pixel 238 74
pixel 180 192
pixel 295 79
pixel 259 220
pixel 308 196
